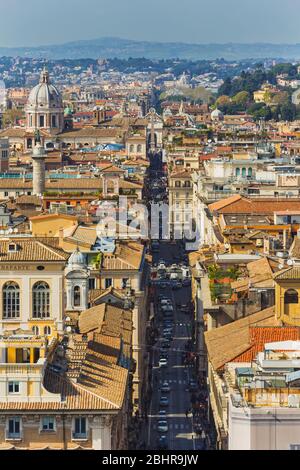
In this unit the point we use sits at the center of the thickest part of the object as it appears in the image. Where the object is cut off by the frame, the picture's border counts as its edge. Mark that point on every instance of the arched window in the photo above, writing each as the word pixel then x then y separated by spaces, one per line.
pixel 291 296
pixel 139 148
pixel 237 172
pixel 131 148
pixel 11 300
pixel 76 296
pixel 35 330
pixel 249 171
pixel 244 171
pixel 41 300
pixel 47 330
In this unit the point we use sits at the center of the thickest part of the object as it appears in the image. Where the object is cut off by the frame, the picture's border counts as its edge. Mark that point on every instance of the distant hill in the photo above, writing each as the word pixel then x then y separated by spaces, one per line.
pixel 124 48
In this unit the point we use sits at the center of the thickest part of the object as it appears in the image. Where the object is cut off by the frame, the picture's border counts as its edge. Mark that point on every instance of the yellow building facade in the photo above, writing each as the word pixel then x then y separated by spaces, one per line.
pixel 287 296
pixel 31 287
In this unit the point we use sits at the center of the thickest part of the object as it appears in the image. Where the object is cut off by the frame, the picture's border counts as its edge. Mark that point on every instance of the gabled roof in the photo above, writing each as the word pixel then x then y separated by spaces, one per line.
pixel 97 294
pixel 292 272
pixel 127 256
pixel 91 319
pixel 295 248
pixel 260 335
pixel 30 250
pixel 112 169
pixel 54 216
pixel 229 341
pixel 241 205
pixel 215 206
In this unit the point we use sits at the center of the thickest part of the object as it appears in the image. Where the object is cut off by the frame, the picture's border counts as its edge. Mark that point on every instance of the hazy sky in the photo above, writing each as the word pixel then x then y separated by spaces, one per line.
pixel 40 22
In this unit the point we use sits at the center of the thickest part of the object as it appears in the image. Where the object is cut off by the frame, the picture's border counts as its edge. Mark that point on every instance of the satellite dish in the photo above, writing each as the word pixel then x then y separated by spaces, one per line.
pixel 68 319
pixel 281 266
pixel 69 329
pixel 290 262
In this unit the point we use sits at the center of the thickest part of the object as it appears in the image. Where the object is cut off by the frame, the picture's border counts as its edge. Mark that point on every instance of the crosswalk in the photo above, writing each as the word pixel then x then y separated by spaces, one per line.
pixel 175 427
pixel 174 381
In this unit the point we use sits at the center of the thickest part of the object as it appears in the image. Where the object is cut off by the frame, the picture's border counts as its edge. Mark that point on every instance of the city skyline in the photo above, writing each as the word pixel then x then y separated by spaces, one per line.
pixel 194 22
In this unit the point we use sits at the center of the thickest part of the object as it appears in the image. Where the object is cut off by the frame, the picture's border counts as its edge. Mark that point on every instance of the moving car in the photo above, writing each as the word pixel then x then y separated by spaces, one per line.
pixel 162 284
pixel 165 388
pixel 167 308
pixel 162 443
pixel 176 285
pixel 164 401
pixel 162 426
pixel 163 362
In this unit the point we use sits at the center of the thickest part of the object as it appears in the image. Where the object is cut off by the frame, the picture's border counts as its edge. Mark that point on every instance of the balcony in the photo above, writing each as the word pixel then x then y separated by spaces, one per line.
pixel 79 436
pixel 13 437
pixel 23 369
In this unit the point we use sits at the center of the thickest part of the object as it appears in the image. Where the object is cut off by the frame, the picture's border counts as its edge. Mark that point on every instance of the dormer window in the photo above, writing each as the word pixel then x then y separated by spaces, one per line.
pixel 12 247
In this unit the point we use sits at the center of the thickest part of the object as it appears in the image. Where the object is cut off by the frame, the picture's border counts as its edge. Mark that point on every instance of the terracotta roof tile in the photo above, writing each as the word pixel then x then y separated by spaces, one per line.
pixel 260 335
pixel 30 250
pixel 241 205
pixel 229 341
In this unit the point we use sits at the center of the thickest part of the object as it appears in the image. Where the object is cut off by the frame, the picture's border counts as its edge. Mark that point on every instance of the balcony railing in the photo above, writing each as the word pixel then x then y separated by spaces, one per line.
pixel 13 436
pixel 79 436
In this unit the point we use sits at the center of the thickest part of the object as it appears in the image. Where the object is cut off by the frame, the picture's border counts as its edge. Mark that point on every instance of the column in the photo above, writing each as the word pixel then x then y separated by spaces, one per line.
pixel 69 295
pixel 84 296
pixel 25 307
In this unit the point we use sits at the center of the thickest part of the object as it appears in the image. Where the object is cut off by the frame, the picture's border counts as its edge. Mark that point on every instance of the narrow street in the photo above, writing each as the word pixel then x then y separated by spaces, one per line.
pixel 171 407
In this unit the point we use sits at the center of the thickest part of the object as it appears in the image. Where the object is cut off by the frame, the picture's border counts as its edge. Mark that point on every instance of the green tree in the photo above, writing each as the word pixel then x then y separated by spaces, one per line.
pixel 11 117
pixel 241 98
pixel 223 100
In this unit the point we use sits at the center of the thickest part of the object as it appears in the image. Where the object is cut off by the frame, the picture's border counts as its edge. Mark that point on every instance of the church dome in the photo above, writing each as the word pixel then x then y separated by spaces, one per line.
pixel 77 259
pixel 217 115
pixel 44 94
